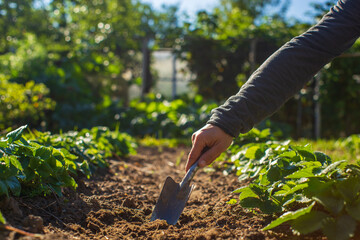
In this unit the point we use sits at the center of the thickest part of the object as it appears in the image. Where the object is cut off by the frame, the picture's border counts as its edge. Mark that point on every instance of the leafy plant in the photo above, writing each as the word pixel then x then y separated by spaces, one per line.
pixel 37 168
pixel 21 103
pixel 310 190
pixel 47 163
pixel 91 147
pixel 160 118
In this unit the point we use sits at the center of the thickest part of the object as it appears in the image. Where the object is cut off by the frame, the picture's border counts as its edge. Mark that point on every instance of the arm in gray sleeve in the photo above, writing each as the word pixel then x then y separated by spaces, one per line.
pixel 287 70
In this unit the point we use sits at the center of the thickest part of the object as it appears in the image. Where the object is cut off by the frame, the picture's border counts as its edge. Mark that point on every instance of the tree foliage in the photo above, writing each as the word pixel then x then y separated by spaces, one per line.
pixel 87 53
pixel 219 45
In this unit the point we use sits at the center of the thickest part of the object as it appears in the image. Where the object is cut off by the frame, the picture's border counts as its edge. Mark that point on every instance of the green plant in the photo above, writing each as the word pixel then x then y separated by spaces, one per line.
pixel 91 146
pixel 310 190
pixel 46 163
pixel 33 168
pixel 21 103
pixel 160 118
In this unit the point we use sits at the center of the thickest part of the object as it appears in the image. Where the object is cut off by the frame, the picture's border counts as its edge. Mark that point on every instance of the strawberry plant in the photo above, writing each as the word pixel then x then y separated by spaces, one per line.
pixel 46 163
pixel 308 189
pixel 91 147
pixel 30 168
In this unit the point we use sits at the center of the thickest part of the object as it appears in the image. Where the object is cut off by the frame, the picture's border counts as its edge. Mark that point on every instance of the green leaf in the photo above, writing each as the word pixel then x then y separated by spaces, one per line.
pixel 286 190
pixel 270 207
pixel 334 167
pixel 6 160
pixel 353 209
pixel 53 163
pixel 14 185
pixel 43 152
pixel 349 188
pixel 241 189
pixel 245 193
pixel 58 155
pixel 24 141
pixel 251 202
pixel 44 170
pixel 302 199
pixel 259 190
pixel 85 169
pixel 56 189
pixel 68 155
pixel 274 174
pixel 265 133
pixel 16 134
pixel 283 190
pixel 309 222
pixel 34 162
pixel 253 152
pixel 3 188
pixel 331 202
pixel 316 186
pixel 231 201
pixel 14 161
pixel 3 143
pixel 340 228
pixel 29 174
pixel 68 180
pixel 2 219
pixel 322 157
pixel 306 154
pixel 306 172
pixel 289 154
pixel 26 151
pixel 289 216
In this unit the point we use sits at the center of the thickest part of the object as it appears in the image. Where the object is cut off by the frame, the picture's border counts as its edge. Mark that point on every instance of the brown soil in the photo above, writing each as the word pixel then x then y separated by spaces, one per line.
pixel 117 203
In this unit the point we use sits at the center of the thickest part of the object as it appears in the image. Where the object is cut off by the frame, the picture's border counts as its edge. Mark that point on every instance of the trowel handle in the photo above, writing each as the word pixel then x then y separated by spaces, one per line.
pixel 192 170
pixel 190 174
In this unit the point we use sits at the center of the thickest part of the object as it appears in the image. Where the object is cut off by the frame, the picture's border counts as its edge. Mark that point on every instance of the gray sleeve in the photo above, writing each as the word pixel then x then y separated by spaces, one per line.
pixel 286 71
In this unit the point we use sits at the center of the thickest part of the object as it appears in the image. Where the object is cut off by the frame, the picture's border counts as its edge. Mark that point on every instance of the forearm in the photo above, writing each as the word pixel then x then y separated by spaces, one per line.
pixel 288 69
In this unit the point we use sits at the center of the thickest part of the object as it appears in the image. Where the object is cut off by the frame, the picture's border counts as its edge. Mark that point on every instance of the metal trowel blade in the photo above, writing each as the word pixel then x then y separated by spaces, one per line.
pixel 171 201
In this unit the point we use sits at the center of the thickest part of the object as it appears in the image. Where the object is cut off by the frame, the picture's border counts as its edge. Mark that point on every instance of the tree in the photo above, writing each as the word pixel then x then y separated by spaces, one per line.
pixel 224 47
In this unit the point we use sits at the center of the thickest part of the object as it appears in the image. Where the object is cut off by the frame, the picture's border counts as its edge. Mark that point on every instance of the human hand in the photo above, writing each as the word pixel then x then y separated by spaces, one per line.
pixel 211 137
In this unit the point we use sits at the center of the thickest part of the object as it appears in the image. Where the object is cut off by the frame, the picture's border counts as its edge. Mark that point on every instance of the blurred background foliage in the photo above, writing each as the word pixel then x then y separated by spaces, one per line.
pixel 69 64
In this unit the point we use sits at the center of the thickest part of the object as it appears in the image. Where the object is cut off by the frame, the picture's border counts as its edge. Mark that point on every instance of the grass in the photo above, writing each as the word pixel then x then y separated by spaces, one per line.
pixel 149 141
pixel 334 148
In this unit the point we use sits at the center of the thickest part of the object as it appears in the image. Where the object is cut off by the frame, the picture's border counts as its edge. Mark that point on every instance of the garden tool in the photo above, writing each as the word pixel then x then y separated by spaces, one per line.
pixel 173 197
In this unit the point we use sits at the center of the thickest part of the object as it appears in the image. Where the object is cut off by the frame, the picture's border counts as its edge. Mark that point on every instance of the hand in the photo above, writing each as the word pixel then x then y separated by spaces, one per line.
pixel 212 137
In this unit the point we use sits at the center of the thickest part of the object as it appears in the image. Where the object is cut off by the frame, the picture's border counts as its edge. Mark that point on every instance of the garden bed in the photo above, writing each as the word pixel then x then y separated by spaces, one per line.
pixel 116 203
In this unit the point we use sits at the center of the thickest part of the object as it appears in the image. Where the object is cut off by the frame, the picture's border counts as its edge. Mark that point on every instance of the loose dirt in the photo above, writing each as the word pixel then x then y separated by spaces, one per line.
pixel 117 204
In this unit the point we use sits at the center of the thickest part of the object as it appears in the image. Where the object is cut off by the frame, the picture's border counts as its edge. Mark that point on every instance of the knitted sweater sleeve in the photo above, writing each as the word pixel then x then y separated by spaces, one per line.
pixel 286 71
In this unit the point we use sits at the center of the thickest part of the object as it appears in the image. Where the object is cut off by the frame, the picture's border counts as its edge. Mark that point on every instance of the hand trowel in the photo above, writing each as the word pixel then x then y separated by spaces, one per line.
pixel 173 197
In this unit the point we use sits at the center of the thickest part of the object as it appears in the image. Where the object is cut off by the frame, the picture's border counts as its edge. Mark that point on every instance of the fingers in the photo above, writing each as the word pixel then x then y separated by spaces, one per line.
pixel 210 155
pixel 195 152
pixel 211 137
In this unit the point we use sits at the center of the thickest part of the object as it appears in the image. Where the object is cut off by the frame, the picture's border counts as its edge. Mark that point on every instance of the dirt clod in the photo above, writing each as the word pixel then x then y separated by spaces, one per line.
pixel 129 202
pixel 33 224
pixel 12 205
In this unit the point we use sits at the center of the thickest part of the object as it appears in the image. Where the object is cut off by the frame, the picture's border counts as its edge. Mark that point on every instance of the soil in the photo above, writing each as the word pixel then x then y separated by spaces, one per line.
pixel 116 203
